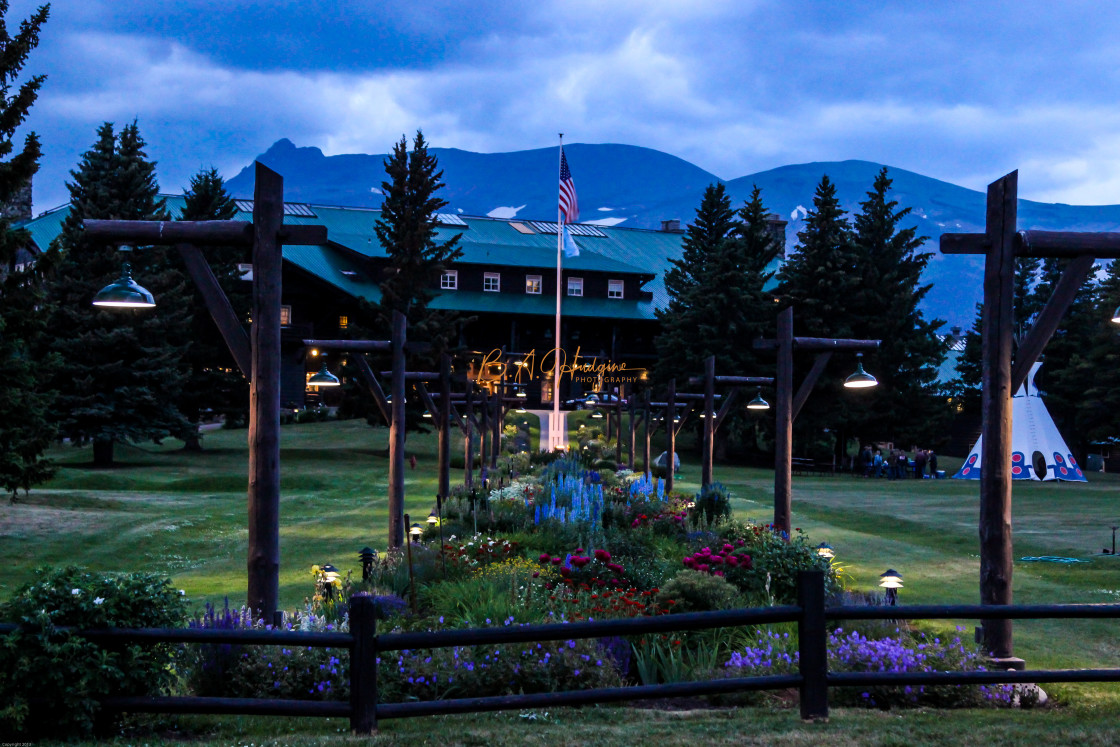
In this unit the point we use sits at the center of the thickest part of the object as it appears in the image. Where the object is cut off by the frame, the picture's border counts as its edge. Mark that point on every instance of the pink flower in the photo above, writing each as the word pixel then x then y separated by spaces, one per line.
pixel 603 555
pixel 557 561
pixel 728 548
pixel 545 557
pixel 732 561
pixel 704 567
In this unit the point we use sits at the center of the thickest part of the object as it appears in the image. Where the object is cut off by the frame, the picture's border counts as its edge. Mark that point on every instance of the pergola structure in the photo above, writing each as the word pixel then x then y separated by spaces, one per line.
pixel 1001 244
pixel 788 404
pixel 257 354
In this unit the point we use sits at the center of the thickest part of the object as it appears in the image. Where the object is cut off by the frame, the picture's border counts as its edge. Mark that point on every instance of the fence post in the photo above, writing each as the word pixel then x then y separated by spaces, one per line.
pixel 363 664
pixel 812 642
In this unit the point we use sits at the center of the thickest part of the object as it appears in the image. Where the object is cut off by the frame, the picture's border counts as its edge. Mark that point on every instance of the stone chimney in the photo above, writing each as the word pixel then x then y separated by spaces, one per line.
pixel 777 228
pixel 671 226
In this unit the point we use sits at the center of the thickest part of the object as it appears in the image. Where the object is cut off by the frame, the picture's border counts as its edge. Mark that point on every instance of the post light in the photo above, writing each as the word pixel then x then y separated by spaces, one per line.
pixel 825 551
pixel 433 517
pixel 426 415
pixel 860 379
pixel 597 415
pixel 330 575
pixel 314 352
pixel 369 557
pixel 124 293
pixel 323 378
pixel 521 394
pixel 415 531
pixel 892 582
pixel 411 576
pixel 758 403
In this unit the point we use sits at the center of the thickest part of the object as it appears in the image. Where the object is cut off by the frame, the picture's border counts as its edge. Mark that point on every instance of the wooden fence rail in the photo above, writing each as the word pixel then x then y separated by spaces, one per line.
pixel 813 678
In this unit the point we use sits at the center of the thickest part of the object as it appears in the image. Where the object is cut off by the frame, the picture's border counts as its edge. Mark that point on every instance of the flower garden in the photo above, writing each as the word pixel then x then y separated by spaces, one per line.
pixel 563 542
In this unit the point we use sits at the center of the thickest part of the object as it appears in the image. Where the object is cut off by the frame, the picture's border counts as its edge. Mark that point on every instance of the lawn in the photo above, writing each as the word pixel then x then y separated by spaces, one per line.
pixel 184 514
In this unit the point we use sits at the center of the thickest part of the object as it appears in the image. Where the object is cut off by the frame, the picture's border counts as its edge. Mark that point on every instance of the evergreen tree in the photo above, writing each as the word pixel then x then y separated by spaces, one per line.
pixel 407 229
pixel 215 383
pixel 121 369
pixel 25 429
pixel 965 388
pixel 820 280
pixel 1100 400
pixel 681 346
pixel 906 407
pixel 716 301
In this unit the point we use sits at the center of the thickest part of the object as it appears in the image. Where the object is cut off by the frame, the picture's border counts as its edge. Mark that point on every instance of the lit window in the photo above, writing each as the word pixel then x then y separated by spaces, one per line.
pixel 449 280
pixel 533 284
pixel 343 322
pixel 614 289
pixel 492 281
pixel 575 286
pixel 285 316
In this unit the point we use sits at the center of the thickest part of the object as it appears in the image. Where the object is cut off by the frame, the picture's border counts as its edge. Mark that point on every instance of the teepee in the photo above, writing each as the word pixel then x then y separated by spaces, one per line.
pixel 1038 451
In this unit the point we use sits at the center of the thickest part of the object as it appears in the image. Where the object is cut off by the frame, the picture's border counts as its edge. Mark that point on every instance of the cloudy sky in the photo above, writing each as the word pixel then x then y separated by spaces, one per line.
pixel 962 92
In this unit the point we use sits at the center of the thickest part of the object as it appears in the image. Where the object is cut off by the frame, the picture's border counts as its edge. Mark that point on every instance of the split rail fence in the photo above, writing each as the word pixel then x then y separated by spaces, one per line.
pixel 813 679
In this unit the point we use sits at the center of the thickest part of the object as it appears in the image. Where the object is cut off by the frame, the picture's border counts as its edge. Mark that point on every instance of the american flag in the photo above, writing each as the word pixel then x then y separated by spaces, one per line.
pixel 569 206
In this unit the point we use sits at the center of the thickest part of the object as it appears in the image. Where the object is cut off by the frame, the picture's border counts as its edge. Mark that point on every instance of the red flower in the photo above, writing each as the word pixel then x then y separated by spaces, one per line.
pixel 603 555
pixel 545 557
pixel 557 561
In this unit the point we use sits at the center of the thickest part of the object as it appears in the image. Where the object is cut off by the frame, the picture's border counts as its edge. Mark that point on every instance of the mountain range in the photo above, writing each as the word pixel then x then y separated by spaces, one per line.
pixel 631 186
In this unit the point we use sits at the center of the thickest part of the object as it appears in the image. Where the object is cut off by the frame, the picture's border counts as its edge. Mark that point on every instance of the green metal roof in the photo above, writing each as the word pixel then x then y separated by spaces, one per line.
pixel 485 241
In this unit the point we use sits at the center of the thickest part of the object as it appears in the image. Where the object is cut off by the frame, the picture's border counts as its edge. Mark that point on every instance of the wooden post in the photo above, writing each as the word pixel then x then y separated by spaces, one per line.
pixel 709 421
pixel 812 641
pixel 499 423
pixel 995 475
pixel 468 437
pixel 783 425
pixel 645 430
pixel 618 414
pixel 396 434
pixel 264 396
pixel 671 432
pixel 632 407
pixel 484 438
pixel 444 447
pixel 363 665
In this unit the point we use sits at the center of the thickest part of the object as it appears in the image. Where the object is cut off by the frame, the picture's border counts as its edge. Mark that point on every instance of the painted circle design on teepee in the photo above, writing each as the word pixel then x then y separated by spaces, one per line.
pixel 1076 469
pixel 1017 463
pixel 1061 463
pixel 969 464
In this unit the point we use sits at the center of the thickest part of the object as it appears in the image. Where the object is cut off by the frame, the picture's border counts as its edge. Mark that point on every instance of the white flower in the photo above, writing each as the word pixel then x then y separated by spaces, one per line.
pixel 76 592
pixel 99 600
pixel 182 592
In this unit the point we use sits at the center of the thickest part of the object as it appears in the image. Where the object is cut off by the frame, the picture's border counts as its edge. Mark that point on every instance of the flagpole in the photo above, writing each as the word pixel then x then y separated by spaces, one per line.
pixel 555 435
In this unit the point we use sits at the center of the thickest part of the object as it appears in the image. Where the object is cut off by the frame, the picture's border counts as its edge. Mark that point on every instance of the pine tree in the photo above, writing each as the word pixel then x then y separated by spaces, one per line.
pixel 121 369
pixel 25 429
pixel 692 286
pixel 1100 400
pixel 965 388
pixel 407 230
pixel 906 407
pixel 215 383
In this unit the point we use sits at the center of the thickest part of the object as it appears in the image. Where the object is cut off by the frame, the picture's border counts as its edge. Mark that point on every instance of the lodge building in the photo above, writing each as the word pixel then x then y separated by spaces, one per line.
pixel 505 280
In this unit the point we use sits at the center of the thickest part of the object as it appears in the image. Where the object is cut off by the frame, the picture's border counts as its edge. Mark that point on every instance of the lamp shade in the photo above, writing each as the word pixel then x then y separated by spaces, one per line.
pixel 860 379
pixel 892 579
pixel 825 551
pixel 758 403
pixel 124 293
pixel 433 517
pixel 415 530
pixel 597 415
pixel 323 378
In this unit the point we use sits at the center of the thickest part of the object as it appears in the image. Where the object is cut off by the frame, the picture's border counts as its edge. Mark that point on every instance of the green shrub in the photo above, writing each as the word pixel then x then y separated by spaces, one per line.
pixel 775 562
pixel 66 674
pixel 693 591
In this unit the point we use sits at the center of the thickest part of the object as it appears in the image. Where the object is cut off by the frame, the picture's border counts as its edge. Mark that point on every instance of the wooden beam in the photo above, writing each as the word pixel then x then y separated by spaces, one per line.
pixel 783 425
pixel 709 421
pixel 199 232
pixel 965 243
pixel 819 344
pixel 995 465
pixel 1065 244
pixel 225 318
pixel 264 394
pixel 671 432
pixel 746 380
pixel 1031 347
pixel 725 408
pixel 353 346
pixel 444 447
pixel 809 382
pixel 373 386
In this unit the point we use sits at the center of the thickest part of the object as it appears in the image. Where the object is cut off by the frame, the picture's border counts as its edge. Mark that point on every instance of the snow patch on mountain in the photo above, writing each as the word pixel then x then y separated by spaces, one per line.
pixel 505 212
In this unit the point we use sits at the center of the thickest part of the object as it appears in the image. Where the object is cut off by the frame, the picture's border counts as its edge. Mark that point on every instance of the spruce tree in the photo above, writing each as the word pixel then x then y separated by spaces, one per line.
pixel 121 369
pixel 965 388
pixel 906 407
pixel 692 286
pixel 407 229
pixel 216 383
pixel 25 428
pixel 1100 400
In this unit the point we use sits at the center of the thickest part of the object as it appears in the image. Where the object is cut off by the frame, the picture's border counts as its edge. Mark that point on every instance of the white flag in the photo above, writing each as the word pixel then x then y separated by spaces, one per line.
pixel 570 248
